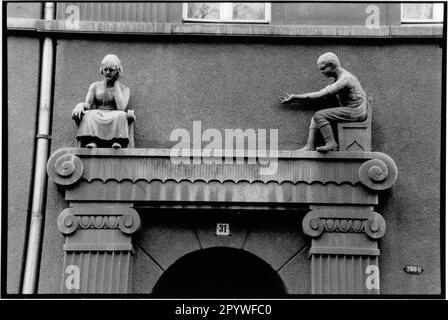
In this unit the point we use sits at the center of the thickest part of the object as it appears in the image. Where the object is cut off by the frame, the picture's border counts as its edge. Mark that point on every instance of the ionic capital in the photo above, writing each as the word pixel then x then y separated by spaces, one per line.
pixel 318 221
pixel 125 219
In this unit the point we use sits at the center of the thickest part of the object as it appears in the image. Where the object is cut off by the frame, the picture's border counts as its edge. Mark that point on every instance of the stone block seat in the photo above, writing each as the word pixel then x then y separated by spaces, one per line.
pixel 356 136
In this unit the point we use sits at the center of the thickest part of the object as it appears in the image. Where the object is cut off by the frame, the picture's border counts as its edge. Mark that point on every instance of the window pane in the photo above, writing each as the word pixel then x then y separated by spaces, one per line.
pixel 248 11
pixel 203 10
pixel 418 11
pixel 438 11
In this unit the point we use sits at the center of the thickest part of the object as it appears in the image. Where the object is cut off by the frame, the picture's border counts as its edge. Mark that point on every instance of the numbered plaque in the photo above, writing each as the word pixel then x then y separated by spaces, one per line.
pixel 222 229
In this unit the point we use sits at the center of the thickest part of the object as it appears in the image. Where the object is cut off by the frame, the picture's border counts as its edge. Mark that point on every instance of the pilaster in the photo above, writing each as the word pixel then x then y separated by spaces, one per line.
pixel 98 248
pixel 344 249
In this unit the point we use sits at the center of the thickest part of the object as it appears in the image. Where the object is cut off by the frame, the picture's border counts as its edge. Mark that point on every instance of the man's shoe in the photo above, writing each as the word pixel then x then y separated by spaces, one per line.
pixel 330 143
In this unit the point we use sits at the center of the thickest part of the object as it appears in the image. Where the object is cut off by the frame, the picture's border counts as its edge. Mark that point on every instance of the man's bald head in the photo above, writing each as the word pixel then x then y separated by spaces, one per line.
pixel 328 58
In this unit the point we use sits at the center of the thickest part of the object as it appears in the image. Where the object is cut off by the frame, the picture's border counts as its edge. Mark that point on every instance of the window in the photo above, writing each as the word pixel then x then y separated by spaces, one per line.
pixel 422 12
pixel 233 12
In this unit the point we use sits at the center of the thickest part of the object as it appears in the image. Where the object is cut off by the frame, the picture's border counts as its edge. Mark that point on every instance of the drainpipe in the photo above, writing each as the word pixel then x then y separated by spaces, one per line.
pixel 30 277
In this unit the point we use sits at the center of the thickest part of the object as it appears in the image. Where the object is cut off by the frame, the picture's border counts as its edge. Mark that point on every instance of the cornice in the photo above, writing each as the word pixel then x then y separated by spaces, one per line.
pixel 68 166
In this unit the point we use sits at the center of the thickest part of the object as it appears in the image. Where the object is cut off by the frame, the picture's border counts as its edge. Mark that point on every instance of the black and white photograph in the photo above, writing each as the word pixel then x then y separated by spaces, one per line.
pixel 223 150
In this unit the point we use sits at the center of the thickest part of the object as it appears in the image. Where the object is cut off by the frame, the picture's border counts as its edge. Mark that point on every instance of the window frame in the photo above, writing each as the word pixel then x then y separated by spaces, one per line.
pixel 419 21
pixel 226 12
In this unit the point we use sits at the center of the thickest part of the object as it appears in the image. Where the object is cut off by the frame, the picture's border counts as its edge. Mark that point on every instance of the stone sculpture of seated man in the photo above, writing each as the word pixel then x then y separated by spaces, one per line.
pixel 102 117
pixel 351 97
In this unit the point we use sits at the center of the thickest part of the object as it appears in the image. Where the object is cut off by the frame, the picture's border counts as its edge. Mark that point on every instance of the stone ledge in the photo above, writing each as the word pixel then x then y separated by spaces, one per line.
pixel 417 31
pixel 22 24
pixel 209 29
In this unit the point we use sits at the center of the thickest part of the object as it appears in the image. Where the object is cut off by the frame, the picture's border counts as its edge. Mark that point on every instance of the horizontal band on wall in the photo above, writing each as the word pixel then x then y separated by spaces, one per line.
pixel 345 251
pixel 202 29
pixel 98 247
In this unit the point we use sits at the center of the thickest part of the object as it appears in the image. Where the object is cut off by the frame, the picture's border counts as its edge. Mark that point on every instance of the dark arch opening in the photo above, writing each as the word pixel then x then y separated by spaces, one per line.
pixel 219 273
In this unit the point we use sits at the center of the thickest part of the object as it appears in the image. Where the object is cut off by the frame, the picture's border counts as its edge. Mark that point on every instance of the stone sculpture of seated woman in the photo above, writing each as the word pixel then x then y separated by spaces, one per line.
pixel 102 119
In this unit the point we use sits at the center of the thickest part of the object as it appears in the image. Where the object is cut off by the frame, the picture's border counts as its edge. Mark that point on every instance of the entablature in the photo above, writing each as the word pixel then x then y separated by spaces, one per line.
pixel 152 175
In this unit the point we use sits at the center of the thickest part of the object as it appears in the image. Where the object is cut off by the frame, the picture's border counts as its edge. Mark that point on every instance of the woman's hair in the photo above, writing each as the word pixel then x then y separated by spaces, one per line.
pixel 113 60
pixel 328 58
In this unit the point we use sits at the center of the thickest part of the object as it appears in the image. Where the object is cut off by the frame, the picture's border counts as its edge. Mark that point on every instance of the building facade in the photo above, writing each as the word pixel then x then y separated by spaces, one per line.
pixel 363 220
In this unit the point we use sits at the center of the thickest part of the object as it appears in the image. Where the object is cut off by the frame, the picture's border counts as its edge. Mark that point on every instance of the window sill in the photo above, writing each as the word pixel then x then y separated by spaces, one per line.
pixel 203 21
pixel 417 30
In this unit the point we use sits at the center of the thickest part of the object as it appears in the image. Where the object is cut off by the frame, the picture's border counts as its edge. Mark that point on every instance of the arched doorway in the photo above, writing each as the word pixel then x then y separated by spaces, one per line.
pixel 220 273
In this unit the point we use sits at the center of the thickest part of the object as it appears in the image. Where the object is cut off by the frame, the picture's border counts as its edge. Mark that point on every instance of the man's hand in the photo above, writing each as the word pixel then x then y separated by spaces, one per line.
pixel 286 98
pixel 78 111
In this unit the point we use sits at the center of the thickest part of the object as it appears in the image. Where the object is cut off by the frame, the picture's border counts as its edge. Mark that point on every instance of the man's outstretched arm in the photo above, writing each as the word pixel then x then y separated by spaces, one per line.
pixel 287 97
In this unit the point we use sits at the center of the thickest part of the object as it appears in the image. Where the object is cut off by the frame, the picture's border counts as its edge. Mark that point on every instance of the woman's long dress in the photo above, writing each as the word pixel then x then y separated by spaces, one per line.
pixel 104 121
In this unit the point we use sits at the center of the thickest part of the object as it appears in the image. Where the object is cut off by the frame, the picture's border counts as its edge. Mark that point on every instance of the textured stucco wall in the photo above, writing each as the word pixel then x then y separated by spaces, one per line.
pixel 231 83
pixel 407 126
pixel 23 76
